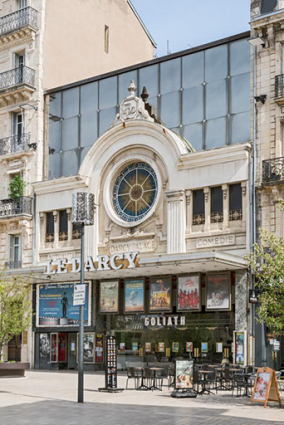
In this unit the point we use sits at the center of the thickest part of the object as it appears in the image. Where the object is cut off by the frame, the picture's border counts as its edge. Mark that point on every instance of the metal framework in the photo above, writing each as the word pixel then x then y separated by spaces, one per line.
pixel 10 207
pixel 198 219
pixel 273 170
pixel 13 264
pixel 217 217
pixel 15 143
pixel 17 76
pixel 27 16
pixel 235 215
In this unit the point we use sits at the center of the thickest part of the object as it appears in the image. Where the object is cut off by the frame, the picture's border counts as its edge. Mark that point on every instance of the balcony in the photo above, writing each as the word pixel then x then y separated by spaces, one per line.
pixel 273 171
pixel 18 24
pixel 13 264
pixel 16 85
pixel 14 144
pixel 16 207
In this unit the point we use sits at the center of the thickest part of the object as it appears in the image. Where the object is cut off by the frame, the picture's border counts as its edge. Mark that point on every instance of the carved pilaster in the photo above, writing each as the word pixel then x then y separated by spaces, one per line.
pixel 206 191
pixel 176 222
pixel 225 206
pixel 56 229
pixel 69 222
pixel 241 291
pixel 189 210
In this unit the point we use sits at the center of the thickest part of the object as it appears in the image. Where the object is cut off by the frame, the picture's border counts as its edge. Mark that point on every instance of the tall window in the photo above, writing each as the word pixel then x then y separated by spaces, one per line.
pixel 268 6
pixel 198 207
pixel 235 202
pixel 106 39
pixel 19 67
pixel 15 252
pixel 63 225
pixel 76 233
pixel 22 4
pixel 49 233
pixel 216 204
pixel 17 128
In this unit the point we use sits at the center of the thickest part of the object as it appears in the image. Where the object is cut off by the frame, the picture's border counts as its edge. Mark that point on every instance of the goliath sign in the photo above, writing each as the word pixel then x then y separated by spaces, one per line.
pixel 127 260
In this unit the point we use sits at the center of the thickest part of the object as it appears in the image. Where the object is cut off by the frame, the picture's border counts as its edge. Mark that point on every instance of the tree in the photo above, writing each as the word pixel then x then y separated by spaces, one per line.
pixel 15 308
pixel 267 263
pixel 16 187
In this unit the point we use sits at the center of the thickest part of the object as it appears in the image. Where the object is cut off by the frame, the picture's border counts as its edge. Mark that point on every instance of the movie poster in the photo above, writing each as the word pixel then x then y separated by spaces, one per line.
pixel 175 347
pixel 183 374
pixel 189 347
pixel 160 294
pixel 204 347
pixel 55 305
pixel 89 348
pixel 109 297
pixel 134 296
pixel 188 293
pixel 240 347
pixel 161 347
pixel 218 292
pixel 261 387
pixel 148 347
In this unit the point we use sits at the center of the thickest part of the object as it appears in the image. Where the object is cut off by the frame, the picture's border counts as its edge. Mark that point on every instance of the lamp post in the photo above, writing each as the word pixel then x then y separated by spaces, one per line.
pixel 83 213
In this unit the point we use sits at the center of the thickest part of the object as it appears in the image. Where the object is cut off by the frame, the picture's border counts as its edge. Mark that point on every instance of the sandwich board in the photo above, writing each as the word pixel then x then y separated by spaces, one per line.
pixel 265 387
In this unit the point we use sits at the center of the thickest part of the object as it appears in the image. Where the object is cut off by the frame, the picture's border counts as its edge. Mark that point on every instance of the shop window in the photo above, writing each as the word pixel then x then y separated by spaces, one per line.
pixel 106 39
pixel 216 204
pixel 15 260
pixel 198 207
pixel 63 225
pixel 235 202
pixel 76 232
pixel 49 233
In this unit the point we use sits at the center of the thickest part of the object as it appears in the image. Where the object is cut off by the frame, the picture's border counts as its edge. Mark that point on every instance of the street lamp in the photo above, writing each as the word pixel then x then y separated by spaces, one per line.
pixel 83 213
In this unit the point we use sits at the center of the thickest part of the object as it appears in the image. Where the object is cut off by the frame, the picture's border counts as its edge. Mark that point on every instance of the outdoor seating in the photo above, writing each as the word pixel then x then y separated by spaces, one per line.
pixel 132 374
pixel 239 383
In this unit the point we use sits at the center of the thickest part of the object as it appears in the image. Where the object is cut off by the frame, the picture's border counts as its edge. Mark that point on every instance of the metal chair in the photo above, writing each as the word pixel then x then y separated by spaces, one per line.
pixel 239 383
pixel 131 374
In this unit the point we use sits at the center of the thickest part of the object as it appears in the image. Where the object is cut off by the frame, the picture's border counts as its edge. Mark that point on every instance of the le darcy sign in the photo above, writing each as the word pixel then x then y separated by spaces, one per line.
pixel 126 260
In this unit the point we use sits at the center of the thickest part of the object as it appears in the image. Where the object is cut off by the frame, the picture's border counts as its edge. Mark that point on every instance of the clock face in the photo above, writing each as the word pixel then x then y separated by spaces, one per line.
pixel 135 191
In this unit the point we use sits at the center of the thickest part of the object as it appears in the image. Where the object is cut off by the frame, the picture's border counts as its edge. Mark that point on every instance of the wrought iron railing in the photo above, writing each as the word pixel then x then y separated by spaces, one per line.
pixel 27 16
pixel 10 207
pixel 13 264
pixel 279 86
pixel 15 143
pixel 217 217
pixel 14 77
pixel 273 170
pixel 235 215
pixel 49 237
pixel 198 219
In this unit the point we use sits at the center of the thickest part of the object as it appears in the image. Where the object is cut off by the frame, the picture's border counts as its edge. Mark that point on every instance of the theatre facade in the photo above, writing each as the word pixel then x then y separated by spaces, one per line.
pixel 164 261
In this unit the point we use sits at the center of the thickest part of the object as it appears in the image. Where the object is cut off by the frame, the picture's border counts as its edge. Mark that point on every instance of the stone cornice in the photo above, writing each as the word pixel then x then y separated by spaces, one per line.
pixel 61 184
pixel 215 156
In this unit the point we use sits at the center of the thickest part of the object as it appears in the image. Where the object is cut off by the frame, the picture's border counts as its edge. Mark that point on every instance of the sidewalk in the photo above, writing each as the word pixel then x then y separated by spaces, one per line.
pixel 47 398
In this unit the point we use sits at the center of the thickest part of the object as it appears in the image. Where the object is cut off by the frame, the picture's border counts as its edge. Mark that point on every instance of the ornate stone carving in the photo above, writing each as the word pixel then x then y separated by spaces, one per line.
pixel 225 192
pixel 132 108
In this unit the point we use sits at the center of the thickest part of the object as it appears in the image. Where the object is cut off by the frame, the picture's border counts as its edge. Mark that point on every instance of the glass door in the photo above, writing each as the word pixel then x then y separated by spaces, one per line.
pixel 72 351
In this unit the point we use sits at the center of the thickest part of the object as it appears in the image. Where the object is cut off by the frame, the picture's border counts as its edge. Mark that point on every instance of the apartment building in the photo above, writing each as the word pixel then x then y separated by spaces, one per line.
pixel 44 44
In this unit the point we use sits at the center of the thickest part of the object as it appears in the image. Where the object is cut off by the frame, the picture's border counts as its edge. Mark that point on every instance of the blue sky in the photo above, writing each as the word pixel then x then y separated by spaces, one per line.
pixel 189 23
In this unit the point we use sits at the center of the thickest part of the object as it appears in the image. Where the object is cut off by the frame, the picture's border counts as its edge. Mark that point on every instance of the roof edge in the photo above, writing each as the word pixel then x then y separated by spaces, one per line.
pixel 175 55
pixel 131 5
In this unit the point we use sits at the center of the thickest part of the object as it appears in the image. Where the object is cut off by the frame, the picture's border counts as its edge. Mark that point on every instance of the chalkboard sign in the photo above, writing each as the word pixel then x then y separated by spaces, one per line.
pixel 265 387
pixel 111 363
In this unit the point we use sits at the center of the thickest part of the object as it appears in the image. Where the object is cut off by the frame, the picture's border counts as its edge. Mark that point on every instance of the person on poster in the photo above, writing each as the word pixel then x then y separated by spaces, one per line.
pixel 64 303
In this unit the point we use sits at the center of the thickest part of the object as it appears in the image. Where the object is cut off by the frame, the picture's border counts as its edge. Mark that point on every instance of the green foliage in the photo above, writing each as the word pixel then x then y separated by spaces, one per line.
pixel 267 263
pixel 16 187
pixel 15 308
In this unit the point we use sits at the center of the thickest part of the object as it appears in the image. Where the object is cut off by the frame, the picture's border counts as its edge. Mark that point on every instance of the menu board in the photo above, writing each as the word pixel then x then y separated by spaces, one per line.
pixel 183 374
pixel 111 363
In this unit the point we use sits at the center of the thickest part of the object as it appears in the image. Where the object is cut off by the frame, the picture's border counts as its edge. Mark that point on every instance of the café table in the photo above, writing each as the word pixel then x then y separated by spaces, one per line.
pixel 203 382
pixel 142 386
pixel 155 370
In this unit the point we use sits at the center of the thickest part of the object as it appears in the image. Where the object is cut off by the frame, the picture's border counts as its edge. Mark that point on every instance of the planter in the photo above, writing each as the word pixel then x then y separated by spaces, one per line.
pixel 13 369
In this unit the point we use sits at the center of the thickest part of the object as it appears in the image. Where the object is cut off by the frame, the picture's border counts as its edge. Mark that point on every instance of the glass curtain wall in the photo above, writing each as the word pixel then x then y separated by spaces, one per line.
pixel 203 96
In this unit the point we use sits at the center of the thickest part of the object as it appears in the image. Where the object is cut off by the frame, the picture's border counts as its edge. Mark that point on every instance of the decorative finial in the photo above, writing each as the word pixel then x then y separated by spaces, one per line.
pixel 132 88
pixel 144 95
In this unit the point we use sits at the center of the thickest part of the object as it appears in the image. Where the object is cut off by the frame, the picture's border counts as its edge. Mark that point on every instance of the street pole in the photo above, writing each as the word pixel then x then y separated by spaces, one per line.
pixel 83 213
pixel 81 330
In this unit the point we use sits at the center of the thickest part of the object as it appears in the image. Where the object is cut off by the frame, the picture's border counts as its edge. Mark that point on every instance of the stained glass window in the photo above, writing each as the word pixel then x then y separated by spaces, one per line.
pixel 135 191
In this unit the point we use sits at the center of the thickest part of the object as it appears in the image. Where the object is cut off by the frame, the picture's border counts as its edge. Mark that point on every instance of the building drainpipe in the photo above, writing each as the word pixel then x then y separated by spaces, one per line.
pixel 253 211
